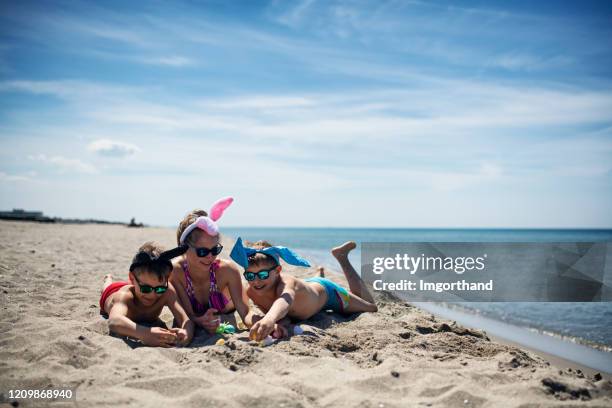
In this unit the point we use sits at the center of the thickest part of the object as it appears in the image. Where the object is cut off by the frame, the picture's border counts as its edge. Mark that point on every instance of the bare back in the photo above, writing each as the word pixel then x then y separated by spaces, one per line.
pixel 309 297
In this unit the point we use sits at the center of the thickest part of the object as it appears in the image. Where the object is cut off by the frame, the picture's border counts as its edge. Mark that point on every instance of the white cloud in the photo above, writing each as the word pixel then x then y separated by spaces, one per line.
pixel 175 61
pixel 76 91
pixel 262 102
pixel 172 61
pixel 330 117
pixel 453 181
pixel 118 28
pixel 112 148
pixel 64 164
pixel 515 62
pixel 294 16
pixel 15 177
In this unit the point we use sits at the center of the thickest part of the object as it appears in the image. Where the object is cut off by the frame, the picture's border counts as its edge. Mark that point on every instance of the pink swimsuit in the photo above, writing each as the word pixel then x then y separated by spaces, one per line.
pixel 216 299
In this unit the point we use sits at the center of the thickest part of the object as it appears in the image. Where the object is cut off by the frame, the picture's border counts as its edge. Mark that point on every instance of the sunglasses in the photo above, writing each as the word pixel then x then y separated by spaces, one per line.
pixel 202 252
pixel 262 275
pixel 159 290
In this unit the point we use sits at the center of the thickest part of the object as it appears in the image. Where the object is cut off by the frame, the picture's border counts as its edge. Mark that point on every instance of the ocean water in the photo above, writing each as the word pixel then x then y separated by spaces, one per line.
pixel 586 323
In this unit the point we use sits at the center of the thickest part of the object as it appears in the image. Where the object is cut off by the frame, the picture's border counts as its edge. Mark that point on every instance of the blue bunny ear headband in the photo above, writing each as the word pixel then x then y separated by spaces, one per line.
pixel 240 254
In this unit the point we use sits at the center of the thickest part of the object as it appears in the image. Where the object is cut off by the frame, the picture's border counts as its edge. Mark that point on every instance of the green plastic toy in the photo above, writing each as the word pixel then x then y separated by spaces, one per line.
pixel 225 328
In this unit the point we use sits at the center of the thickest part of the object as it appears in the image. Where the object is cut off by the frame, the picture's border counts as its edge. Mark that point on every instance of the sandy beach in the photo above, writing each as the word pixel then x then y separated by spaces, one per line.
pixel 52 336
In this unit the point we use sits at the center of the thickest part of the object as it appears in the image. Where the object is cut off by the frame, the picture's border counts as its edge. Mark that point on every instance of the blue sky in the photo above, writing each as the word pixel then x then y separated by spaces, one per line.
pixel 310 113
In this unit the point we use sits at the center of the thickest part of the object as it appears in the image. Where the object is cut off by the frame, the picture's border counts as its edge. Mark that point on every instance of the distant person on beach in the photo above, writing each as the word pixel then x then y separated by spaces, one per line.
pixel 133 223
pixel 207 286
pixel 142 299
pixel 281 296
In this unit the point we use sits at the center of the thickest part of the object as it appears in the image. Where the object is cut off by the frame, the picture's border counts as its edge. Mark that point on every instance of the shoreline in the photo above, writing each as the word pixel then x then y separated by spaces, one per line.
pixel 542 341
pixel 555 360
pixel 479 322
pixel 598 360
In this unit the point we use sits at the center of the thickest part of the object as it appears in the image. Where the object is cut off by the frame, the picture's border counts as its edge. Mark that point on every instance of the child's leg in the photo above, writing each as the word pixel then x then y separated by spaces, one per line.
pixel 356 285
pixel 357 305
pixel 108 279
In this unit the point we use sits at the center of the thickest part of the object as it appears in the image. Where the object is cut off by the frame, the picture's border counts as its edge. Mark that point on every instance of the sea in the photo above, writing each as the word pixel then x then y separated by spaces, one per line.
pixel 587 324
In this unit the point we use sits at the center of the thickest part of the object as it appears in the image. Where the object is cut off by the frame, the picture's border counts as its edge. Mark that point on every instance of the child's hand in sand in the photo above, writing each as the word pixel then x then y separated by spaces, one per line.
pixel 262 329
pixel 160 337
pixel 182 337
pixel 209 321
pixel 280 331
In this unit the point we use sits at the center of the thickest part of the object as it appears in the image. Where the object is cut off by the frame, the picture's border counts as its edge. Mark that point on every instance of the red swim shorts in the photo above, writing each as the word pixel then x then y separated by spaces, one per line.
pixel 110 289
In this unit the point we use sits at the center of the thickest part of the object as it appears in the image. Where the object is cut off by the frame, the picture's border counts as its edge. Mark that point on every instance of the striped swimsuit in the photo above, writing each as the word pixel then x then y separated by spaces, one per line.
pixel 216 299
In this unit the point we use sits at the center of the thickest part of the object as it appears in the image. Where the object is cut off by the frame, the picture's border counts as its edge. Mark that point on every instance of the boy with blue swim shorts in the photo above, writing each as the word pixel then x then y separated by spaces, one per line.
pixel 282 296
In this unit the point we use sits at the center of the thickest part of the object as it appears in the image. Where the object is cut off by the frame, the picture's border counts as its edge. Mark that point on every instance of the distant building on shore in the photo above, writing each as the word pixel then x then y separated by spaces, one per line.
pixel 22 215
pixel 19 214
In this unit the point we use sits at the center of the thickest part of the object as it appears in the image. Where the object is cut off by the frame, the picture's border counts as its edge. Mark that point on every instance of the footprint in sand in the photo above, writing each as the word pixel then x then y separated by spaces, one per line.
pixel 435 392
pixel 462 399
pixel 171 386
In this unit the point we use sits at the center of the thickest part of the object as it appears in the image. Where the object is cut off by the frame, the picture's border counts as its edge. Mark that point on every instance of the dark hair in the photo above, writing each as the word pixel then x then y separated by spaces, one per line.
pixel 159 269
pixel 261 260
pixel 185 222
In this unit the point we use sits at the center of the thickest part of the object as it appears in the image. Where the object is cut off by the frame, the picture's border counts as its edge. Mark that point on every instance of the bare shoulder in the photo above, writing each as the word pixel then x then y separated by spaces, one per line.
pixel 228 266
pixel 229 271
pixel 289 280
pixel 285 282
pixel 177 271
pixel 123 297
pixel 177 264
pixel 170 296
pixel 125 294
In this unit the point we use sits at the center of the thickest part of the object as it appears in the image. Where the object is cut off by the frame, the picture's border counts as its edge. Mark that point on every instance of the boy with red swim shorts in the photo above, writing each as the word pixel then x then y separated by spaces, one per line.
pixel 142 298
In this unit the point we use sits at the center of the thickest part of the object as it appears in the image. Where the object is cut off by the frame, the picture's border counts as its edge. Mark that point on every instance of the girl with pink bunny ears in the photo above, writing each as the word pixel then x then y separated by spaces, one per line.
pixel 206 285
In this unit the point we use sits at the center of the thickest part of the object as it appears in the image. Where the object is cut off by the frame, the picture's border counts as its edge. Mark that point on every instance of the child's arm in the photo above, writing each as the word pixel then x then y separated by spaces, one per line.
pixel 186 328
pixel 119 323
pixel 181 293
pixel 238 295
pixel 278 310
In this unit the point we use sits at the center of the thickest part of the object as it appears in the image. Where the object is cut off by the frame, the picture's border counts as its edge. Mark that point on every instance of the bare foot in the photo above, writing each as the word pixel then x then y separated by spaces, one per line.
pixel 343 250
pixel 321 271
pixel 108 279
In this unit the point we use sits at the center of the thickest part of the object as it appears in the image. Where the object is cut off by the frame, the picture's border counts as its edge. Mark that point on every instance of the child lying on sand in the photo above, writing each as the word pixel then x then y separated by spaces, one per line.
pixel 281 295
pixel 205 283
pixel 143 297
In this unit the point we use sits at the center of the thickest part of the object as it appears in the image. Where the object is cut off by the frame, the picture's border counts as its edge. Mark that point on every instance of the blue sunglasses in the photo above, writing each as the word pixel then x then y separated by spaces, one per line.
pixel 261 275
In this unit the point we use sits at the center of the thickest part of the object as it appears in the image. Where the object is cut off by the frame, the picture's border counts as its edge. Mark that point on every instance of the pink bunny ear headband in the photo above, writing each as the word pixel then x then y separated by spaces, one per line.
pixel 208 224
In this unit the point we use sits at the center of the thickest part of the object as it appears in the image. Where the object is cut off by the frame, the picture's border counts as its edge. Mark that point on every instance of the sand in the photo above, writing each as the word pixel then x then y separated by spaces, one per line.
pixel 52 336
